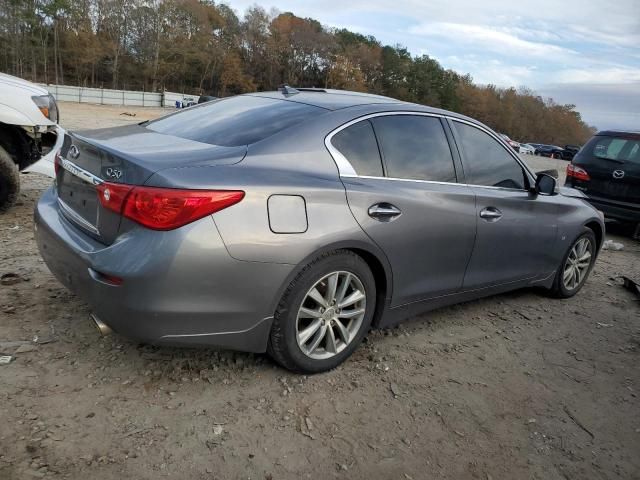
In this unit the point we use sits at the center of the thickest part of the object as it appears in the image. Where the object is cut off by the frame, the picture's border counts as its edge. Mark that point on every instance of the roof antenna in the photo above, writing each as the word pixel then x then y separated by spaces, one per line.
pixel 287 90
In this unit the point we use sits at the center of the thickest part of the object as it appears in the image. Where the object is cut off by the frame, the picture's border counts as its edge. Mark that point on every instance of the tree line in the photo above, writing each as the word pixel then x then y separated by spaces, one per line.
pixel 205 48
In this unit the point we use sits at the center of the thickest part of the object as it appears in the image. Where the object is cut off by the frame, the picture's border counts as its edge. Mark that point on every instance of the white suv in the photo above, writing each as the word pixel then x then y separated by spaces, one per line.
pixel 28 133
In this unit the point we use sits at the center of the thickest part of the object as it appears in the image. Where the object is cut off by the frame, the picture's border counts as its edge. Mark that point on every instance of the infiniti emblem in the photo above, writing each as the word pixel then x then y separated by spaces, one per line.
pixel 74 152
pixel 618 173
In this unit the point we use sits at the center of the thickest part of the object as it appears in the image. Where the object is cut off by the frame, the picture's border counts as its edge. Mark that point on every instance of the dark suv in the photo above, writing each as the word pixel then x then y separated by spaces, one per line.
pixel 607 169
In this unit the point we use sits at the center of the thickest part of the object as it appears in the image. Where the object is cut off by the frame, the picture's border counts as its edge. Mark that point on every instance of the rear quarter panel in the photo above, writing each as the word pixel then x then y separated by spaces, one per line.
pixel 293 162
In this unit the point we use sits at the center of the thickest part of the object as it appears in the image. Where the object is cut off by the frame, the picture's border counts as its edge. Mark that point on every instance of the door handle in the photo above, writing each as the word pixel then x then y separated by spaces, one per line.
pixel 491 214
pixel 384 211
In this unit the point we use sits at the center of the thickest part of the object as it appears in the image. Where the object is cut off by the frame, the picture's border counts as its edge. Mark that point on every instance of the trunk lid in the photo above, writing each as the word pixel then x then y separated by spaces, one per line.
pixel 127 155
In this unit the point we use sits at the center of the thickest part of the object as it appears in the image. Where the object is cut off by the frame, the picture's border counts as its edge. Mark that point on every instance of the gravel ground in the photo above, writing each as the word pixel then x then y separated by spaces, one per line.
pixel 509 387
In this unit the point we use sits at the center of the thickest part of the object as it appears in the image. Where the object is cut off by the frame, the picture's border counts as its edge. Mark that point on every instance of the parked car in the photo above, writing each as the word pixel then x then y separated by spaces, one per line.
pixel 28 132
pixel 607 170
pixel 512 143
pixel 535 147
pixel 205 98
pixel 551 151
pixel 527 149
pixel 569 151
pixel 295 221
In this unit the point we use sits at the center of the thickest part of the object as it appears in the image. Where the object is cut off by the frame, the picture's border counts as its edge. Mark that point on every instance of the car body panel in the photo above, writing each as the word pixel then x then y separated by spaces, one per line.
pixel 509 249
pixel 16 108
pixel 45 165
pixel 218 280
pixel 223 302
pixel 441 216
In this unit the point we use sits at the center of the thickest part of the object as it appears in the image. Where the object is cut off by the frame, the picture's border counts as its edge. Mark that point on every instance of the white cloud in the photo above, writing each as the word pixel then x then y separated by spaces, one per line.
pixel 490 39
pixel 595 75
pixel 609 37
pixel 491 71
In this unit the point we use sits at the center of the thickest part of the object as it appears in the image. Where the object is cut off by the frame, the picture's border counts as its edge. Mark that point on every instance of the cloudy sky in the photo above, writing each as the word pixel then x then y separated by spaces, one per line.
pixel 576 51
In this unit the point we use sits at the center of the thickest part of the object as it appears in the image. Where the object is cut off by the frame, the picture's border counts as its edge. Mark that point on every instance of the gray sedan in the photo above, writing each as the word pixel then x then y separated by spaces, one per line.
pixel 294 221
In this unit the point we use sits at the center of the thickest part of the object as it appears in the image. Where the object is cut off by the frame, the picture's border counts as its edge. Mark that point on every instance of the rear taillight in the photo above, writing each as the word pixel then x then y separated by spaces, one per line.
pixel 578 173
pixel 164 208
pixel 113 195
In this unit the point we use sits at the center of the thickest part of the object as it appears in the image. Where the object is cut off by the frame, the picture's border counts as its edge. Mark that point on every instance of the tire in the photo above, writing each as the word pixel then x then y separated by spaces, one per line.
pixel 288 330
pixel 559 288
pixel 9 181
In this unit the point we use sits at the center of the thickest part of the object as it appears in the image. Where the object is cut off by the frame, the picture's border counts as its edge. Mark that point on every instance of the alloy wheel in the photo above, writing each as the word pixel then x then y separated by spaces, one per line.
pixel 577 264
pixel 330 315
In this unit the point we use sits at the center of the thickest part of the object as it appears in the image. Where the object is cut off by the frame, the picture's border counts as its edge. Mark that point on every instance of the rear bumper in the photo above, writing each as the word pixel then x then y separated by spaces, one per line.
pixel 623 212
pixel 179 287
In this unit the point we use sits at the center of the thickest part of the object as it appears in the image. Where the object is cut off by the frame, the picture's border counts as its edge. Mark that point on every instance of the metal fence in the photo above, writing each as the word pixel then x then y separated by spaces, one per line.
pixel 105 96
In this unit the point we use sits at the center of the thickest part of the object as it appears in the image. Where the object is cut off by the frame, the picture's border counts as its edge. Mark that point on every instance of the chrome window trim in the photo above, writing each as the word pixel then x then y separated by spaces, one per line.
pixel 396 179
pixel 67 210
pixel 457 184
pixel 345 169
pixel 79 172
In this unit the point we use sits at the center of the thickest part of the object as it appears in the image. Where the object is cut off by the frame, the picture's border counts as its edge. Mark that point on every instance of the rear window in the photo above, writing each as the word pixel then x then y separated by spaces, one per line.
pixel 615 149
pixel 235 121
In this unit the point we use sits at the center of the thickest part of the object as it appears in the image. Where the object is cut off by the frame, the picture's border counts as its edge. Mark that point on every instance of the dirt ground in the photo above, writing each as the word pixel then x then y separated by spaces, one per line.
pixel 517 386
pixel 83 116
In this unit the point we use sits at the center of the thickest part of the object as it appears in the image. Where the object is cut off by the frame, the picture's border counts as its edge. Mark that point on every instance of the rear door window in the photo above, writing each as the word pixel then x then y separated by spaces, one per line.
pixel 235 121
pixel 357 143
pixel 486 162
pixel 415 147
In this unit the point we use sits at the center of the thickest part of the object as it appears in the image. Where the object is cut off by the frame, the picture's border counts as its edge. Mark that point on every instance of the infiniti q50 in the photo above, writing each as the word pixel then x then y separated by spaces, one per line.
pixel 294 221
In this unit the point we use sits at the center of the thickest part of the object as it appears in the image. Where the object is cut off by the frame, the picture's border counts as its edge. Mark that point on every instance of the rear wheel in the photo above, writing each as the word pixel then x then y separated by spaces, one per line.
pixel 576 265
pixel 324 314
pixel 9 180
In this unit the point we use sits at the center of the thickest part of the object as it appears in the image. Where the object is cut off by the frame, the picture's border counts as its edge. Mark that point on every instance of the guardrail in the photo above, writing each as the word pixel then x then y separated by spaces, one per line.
pixel 106 96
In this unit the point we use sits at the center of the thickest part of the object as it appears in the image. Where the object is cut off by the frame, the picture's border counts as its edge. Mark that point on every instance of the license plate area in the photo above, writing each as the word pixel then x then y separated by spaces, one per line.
pixel 79 196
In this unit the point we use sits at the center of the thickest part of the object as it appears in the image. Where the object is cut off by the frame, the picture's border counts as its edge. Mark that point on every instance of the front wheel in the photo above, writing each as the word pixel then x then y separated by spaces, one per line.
pixel 9 180
pixel 324 314
pixel 576 265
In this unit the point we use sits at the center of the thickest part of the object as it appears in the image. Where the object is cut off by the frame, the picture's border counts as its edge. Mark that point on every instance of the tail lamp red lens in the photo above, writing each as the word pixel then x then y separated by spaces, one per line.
pixel 578 173
pixel 164 208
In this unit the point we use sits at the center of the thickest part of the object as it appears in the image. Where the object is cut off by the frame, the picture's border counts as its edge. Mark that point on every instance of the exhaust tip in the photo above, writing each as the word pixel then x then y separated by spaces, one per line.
pixel 102 327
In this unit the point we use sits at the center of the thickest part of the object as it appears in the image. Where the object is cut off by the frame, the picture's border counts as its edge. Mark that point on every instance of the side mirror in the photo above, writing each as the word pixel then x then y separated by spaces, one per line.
pixel 545 184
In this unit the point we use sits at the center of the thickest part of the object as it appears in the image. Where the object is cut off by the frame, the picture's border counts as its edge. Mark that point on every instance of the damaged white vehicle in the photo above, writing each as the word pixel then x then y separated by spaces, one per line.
pixel 29 134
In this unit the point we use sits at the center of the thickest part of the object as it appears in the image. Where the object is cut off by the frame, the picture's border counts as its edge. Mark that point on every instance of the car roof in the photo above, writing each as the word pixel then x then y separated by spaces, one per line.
pixel 333 100
pixel 635 134
pixel 326 97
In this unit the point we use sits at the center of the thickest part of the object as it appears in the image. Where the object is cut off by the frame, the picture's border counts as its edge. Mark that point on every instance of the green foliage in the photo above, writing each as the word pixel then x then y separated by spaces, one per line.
pixel 202 47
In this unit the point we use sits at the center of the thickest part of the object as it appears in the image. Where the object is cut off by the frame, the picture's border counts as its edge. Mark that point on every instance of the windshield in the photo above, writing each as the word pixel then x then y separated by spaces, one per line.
pixel 235 121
